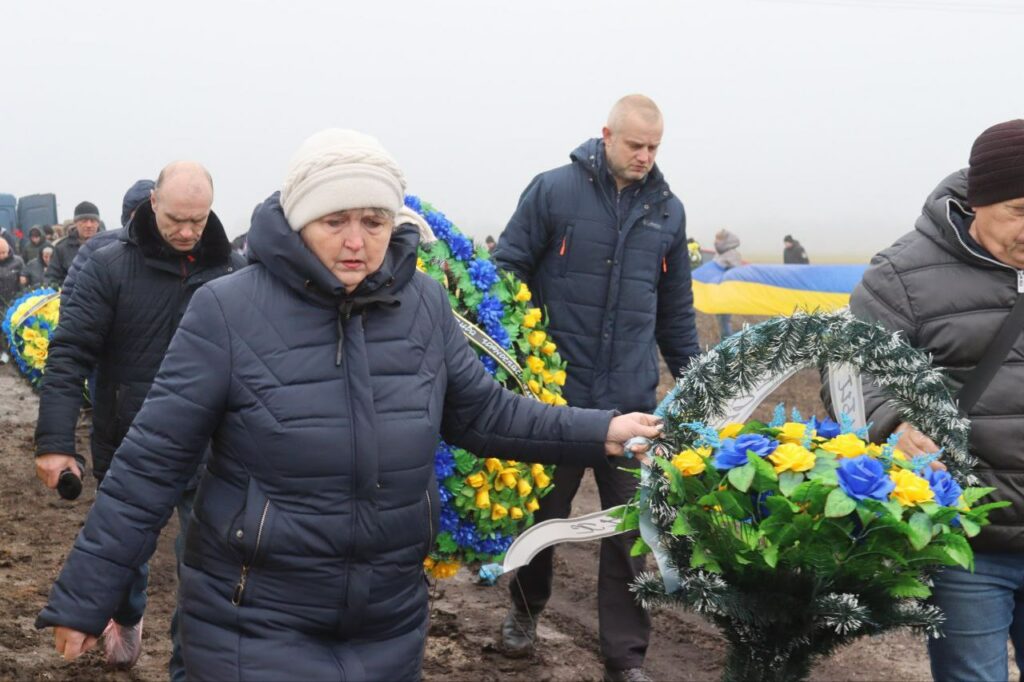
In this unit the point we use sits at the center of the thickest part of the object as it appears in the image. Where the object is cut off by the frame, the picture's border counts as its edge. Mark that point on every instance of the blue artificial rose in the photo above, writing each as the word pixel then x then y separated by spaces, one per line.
pixel 732 452
pixel 862 477
pixel 947 491
pixel 826 428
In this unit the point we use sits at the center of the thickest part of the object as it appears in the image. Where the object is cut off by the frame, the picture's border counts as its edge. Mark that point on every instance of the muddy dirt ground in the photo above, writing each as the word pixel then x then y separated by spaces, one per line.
pixel 36 528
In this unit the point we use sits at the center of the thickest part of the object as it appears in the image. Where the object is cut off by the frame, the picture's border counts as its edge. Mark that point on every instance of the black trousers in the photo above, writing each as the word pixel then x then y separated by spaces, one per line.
pixel 624 626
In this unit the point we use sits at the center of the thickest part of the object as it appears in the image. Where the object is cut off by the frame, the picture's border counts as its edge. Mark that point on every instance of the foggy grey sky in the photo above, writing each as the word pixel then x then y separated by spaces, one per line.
pixel 829 119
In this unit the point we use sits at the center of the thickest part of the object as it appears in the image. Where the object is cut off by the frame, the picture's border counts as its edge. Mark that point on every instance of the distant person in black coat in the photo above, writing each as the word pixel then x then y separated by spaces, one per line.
pixel 33 274
pixel 11 267
pixel 794 253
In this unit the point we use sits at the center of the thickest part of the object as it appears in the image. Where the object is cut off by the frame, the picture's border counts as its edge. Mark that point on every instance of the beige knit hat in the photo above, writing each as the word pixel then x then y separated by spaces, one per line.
pixel 336 170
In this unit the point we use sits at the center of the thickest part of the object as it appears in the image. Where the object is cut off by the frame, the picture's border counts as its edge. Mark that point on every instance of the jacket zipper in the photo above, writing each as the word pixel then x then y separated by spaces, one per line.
pixel 1020 273
pixel 236 598
pixel 430 521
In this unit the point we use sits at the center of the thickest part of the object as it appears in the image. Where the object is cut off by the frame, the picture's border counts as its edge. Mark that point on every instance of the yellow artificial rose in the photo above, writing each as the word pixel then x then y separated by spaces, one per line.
pixel 531 318
pixel 730 430
pixel 560 401
pixel 428 563
pixel 845 445
pixel 523 487
pixel 482 499
pixel 549 378
pixel 536 469
pixel 493 465
pixel 516 513
pixel 548 348
pixel 535 364
pixel 445 569
pixel 542 481
pixel 792 457
pixel 41 342
pixel 690 462
pixel 532 505
pixel 509 478
pixel 875 450
pixel 534 386
pixel 560 377
pixel 547 396
pixel 420 265
pixel 498 512
pixel 476 480
pixel 793 432
pixel 524 293
pixel 29 334
pixel 910 488
pixel 537 338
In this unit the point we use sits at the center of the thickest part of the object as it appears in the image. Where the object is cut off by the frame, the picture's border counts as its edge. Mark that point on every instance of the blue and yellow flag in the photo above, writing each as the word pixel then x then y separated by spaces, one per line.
pixel 773 289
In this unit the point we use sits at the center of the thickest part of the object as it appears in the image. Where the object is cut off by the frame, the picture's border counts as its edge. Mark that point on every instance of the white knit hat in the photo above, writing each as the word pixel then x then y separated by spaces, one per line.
pixel 336 170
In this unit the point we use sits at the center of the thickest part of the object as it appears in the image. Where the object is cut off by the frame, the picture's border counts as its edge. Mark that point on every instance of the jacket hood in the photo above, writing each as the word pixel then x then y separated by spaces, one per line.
pixel 272 242
pixel 35 229
pixel 136 194
pixel 591 156
pixel 728 242
pixel 946 216
pixel 213 248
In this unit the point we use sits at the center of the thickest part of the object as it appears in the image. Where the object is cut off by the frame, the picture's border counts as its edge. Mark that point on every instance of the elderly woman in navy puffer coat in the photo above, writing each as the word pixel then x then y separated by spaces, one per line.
pixel 323 374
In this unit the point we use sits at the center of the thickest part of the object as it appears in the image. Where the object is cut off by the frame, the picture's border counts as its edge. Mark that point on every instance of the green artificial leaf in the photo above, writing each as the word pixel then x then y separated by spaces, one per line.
pixel 788 482
pixel 839 504
pixel 467 491
pixel 764 473
pixel 866 516
pixel 639 548
pixel 464 462
pixel 742 477
pixel 753 426
pixel 700 559
pixel 943 514
pixel 680 526
pixel 986 508
pixel 919 530
pixel 742 560
pixel 824 471
pixel 736 505
pixel 972 495
pixel 446 544
pixel 970 527
pixel 781 507
pixel 959 551
pixel 617 512
pixel 894 508
pixel 907 586
pixel 771 555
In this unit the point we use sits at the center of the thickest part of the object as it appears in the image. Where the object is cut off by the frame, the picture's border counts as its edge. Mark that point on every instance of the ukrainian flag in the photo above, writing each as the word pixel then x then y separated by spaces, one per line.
pixel 773 289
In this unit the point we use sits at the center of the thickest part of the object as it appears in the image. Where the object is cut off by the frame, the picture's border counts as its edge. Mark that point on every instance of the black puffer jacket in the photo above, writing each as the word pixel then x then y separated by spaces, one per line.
pixel 11 270
pixel 304 555
pixel 126 307
pixel 64 252
pixel 950 300
pixel 614 284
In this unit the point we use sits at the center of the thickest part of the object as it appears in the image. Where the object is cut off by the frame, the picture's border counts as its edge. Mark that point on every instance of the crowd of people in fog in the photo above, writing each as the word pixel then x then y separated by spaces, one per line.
pixel 287 403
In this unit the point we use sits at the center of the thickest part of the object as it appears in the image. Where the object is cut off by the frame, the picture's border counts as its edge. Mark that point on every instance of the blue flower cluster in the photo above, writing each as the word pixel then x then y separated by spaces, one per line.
pixel 490 364
pixel 444 462
pixel 732 452
pixel 490 313
pixel 483 274
pixel 466 535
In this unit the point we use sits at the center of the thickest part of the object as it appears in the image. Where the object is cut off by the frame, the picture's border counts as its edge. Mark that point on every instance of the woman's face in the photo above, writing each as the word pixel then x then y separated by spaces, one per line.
pixel 351 244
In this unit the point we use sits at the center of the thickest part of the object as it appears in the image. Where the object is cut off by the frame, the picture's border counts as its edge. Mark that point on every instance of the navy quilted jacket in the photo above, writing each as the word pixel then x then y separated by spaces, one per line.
pixel 130 297
pixel 304 556
pixel 615 287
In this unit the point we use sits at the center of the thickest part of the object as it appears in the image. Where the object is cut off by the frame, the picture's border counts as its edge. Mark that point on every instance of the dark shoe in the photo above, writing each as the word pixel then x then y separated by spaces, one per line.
pixel 518 634
pixel 122 644
pixel 627 675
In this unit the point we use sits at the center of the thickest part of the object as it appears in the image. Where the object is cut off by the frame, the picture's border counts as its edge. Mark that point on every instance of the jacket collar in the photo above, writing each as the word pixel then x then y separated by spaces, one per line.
pixel 213 249
pixel 591 157
pixel 272 242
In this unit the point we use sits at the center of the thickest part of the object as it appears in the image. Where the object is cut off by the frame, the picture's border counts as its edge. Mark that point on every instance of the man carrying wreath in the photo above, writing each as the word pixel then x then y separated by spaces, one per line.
pixel 952 287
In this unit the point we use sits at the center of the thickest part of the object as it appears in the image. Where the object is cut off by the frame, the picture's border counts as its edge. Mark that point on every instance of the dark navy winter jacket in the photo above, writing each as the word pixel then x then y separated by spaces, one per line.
pixel 319 503
pixel 615 288
pixel 126 306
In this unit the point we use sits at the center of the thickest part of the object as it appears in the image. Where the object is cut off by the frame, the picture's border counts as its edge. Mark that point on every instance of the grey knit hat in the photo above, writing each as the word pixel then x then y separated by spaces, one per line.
pixel 336 170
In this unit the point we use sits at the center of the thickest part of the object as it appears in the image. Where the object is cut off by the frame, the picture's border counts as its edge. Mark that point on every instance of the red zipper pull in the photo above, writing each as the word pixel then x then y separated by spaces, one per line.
pixel 664 264
pixel 561 251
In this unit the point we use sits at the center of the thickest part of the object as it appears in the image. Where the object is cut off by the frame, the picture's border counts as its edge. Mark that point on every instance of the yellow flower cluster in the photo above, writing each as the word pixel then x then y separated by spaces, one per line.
pixel 532 317
pixel 792 457
pixel 845 445
pixel 441 569
pixel 690 462
pixel 508 475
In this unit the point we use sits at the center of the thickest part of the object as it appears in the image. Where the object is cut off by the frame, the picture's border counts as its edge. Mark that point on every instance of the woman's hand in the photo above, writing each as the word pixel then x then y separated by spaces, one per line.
pixel 631 425
pixel 71 643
